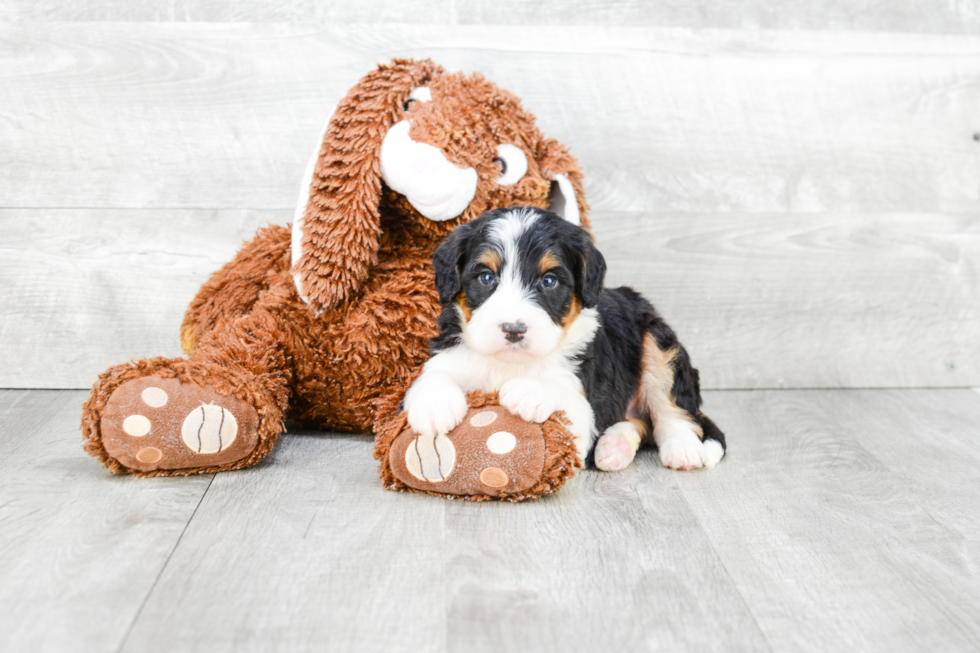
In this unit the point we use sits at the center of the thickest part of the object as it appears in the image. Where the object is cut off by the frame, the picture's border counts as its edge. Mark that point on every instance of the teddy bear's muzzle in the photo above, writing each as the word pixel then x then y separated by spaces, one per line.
pixel 437 188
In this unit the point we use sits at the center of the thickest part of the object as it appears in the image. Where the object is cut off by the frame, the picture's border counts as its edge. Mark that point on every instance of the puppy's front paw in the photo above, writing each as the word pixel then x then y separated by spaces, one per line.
pixel 683 451
pixel 435 408
pixel 529 399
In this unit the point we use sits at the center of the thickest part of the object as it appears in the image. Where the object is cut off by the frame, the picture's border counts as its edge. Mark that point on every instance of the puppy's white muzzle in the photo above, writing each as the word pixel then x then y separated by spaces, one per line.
pixel 437 188
pixel 509 326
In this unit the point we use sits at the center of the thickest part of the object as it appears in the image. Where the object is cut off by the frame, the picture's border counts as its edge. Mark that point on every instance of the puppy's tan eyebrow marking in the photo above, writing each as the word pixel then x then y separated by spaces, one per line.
pixel 548 262
pixel 491 259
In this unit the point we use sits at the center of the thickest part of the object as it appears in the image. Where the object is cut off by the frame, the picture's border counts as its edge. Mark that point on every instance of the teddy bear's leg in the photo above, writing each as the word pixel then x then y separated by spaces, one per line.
pixel 220 409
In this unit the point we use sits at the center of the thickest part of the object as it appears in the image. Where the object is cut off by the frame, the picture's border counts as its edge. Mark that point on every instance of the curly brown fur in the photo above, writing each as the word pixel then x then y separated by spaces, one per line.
pixel 344 361
pixel 560 462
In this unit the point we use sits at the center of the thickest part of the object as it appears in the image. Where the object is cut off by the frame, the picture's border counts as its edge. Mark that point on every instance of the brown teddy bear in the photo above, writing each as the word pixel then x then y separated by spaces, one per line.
pixel 329 323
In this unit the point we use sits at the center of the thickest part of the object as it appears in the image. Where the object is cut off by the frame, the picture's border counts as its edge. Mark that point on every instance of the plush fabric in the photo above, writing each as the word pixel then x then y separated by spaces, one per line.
pixel 538 461
pixel 342 358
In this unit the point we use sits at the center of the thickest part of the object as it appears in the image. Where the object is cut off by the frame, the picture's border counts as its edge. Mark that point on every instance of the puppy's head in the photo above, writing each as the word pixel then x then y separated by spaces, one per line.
pixel 514 282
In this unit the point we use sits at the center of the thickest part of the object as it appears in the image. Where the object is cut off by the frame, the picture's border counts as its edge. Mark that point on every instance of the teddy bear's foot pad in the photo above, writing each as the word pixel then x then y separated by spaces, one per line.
pixel 491 453
pixel 155 423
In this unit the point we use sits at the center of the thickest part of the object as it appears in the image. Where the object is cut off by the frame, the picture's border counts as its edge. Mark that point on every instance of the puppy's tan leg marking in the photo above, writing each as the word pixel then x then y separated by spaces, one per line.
pixel 617 447
pixel 677 435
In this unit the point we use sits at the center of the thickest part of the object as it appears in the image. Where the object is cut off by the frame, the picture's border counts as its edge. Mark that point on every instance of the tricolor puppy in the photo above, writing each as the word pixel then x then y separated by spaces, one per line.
pixel 525 314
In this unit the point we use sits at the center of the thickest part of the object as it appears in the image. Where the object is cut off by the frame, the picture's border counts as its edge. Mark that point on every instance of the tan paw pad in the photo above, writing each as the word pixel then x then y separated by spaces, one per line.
pixel 209 429
pixel 494 477
pixel 431 459
pixel 136 426
pixel 501 442
pixel 149 455
pixel 483 419
pixel 154 396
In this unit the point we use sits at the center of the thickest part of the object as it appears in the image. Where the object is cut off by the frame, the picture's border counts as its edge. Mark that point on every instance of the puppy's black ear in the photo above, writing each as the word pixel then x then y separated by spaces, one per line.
pixel 447 261
pixel 593 273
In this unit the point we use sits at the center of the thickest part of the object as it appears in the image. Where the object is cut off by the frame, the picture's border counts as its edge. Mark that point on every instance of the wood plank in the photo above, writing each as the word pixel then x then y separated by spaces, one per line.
pixel 813 543
pixel 840 520
pixel 791 300
pixel 868 15
pixel 613 562
pixel 828 525
pixel 929 438
pixel 809 300
pixel 310 553
pixel 79 548
pixel 86 289
pixel 156 115
pixel 306 552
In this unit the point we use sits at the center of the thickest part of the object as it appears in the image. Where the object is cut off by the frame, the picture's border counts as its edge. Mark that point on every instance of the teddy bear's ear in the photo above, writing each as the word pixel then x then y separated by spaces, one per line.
pixel 337 225
pixel 567 198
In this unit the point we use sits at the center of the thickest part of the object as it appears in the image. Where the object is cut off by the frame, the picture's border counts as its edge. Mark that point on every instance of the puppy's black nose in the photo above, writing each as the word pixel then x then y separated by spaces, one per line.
pixel 515 330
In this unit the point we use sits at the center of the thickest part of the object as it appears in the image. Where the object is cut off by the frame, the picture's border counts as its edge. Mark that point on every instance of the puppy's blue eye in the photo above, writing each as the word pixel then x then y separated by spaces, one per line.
pixel 487 278
pixel 549 281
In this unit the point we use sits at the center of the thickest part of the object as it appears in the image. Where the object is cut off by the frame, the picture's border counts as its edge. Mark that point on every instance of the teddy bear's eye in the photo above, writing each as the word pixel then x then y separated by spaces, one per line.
pixel 418 94
pixel 512 162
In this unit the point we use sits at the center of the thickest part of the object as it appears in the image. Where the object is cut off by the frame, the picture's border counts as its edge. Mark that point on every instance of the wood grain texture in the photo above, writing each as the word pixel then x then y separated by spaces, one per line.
pixel 81 290
pixel 305 552
pixel 792 300
pixel 836 516
pixel 962 16
pixel 840 520
pixel 809 300
pixel 613 562
pixel 801 206
pixel 308 552
pixel 223 116
pixel 79 549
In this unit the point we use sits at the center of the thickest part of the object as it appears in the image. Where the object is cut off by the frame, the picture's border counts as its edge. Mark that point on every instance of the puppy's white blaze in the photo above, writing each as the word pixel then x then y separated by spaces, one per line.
pixel 506 232
pixel 511 301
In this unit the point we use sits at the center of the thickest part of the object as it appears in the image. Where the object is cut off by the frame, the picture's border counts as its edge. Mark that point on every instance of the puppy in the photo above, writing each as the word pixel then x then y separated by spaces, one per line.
pixel 525 313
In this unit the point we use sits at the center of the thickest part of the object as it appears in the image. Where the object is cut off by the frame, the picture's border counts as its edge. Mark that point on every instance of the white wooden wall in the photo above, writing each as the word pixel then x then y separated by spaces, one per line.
pixel 797 190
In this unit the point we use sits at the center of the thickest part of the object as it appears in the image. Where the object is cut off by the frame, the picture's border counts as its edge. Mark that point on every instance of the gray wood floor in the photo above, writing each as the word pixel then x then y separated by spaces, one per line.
pixel 841 520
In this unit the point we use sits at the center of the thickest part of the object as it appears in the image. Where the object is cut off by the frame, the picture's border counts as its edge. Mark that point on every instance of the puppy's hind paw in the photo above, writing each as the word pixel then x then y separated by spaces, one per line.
pixel 617 447
pixel 682 452
pixel 713 453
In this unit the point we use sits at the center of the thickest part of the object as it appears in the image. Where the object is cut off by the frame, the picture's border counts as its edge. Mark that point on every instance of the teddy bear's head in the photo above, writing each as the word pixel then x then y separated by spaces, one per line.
pixel 435 150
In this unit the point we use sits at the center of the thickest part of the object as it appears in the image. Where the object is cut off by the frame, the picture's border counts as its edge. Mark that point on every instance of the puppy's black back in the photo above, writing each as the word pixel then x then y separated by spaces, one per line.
pixel 611 365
